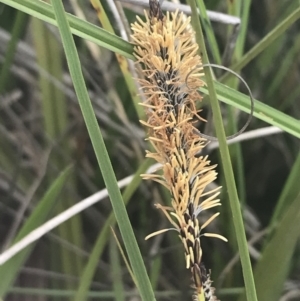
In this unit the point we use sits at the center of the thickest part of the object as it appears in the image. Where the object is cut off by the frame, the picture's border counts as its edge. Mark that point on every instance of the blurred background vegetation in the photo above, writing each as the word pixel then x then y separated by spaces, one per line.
pixel 42 132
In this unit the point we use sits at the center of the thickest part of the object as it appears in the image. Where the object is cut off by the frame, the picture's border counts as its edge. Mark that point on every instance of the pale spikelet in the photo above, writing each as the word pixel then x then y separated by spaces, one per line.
pixel 165 47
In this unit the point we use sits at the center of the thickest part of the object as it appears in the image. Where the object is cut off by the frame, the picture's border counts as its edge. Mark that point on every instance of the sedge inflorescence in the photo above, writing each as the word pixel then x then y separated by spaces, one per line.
pixel 165 47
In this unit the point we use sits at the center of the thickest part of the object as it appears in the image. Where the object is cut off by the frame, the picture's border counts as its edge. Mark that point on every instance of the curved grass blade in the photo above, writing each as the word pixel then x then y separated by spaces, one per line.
pixel 132 248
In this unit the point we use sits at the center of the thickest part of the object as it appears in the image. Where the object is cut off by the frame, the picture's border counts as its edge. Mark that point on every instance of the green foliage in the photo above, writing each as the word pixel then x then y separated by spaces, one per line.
pixel 10 270
pixel 40 113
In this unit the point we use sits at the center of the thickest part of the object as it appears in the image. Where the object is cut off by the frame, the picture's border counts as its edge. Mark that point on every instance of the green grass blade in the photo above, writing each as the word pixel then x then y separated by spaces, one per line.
pixel 98 248
pixel 241 9
pixel 289 193
pixel 116 270
pixel 261 110
pixel 272 269
pixel 11 268
pixel 212 42
pixel 284 69
pixel 132 248
pixel 266 41
pixel 55 115
pixel 11 48
pixel 156 270
pixel 226 163
pixel 83 29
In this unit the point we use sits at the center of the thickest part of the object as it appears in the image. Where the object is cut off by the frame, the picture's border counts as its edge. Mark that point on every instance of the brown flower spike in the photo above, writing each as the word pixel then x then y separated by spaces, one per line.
pixel 165 47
